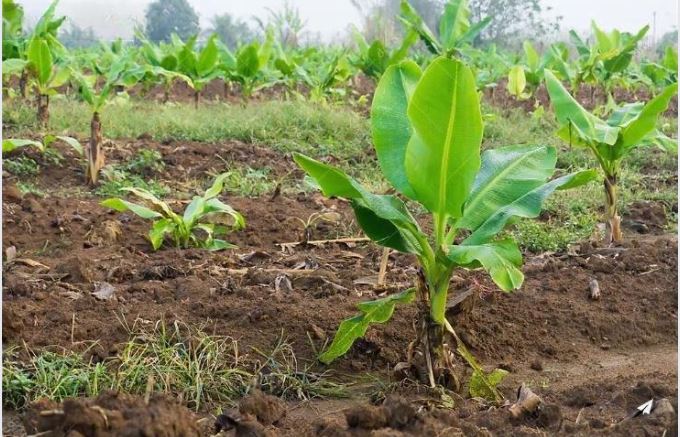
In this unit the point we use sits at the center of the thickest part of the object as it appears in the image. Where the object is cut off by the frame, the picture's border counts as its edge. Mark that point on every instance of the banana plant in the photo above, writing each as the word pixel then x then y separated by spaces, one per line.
pixel 525 78
pixel 200 67
pixel 12 30
pixel 455 29
pixel 609 54
pixel 47 76
pixel 427 132
pixel 629 126
pixel 250 62
pixel 664 73
pixel 375 58
pixel 15 43
pixel 112 77
pixel 158 66
pixel 197 226
pixel 517 83
pixel 325 79
pixel 44 146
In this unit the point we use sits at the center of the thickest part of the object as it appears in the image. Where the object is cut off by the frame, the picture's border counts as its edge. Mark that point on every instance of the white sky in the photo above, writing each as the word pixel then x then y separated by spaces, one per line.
pixel 113 18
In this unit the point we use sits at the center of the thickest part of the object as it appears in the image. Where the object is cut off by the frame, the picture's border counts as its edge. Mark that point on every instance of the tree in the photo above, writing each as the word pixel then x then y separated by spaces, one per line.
pixel 287 24
pixel 76 37
pixel 510 18
pixel 380 17
pixel 165 17
pixel 668 39
pixel 232 31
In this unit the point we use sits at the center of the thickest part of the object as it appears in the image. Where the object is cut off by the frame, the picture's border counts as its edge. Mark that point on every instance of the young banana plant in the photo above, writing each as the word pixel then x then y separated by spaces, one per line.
pixel 200 67
pixel 629 126
pixel 113 76
pixel 199 225
pixel 47 75
pixel 427 133
pixel 664 73
pixel 455 28
pixel 159 65
pixel 250 61
pixel 609 54
pixel 375 58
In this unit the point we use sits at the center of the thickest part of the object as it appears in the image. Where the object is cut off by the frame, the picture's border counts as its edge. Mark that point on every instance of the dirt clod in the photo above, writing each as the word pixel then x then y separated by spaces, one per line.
pixel 266 408
pixel 366 417
pixel 112 414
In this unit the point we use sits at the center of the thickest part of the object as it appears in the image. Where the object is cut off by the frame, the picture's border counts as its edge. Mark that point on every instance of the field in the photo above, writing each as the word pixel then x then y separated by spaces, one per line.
pixel 112 327
pixel 596 360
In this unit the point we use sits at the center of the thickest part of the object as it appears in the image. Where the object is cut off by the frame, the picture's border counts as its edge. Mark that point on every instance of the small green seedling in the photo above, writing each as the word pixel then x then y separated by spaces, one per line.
pixel 427 132
pixel 197 227
pixel 629 126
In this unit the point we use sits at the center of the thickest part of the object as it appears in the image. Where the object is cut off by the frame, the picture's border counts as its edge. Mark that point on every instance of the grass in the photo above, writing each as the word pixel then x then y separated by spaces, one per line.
pixel 249 182
pixel 49 375
pixel 135 173
pixel 285 126
pixel 204 372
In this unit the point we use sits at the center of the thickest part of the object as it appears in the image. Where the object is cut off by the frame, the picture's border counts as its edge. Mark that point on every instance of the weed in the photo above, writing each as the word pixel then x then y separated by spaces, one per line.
pixel 145 162
pixel 30 188
pixel 249 182
pixel 117 181
pixel 135 173
pixel 21 166
pixel 199 369
pixel 282 375
pixel 50 375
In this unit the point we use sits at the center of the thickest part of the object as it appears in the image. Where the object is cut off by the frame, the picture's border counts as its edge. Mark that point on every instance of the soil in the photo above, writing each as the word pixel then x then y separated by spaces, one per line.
pixel 592 361
pixel 111 414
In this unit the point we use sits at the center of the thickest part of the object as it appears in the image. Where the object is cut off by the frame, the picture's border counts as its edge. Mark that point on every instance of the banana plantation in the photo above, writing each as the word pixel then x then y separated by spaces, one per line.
pixel 433 234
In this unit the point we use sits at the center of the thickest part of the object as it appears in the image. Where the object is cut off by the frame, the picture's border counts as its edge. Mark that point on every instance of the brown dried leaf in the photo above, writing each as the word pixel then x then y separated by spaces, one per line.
pixel 103 290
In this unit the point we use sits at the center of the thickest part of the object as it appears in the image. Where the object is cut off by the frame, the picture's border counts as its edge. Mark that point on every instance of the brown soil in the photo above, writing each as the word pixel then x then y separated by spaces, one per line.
pixel 111 414
pixel 591 360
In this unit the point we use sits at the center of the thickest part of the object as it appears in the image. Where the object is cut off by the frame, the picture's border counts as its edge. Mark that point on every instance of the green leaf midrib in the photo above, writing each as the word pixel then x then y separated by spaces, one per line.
pixel 443 173
pixel 488 186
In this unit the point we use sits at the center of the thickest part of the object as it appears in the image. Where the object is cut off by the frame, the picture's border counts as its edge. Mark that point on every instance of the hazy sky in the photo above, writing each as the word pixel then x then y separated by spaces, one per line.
pixel 112 18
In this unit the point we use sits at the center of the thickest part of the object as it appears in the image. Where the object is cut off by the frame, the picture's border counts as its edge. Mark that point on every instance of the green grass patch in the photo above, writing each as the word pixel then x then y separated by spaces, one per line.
pixel 249 182
pixel 136 173
pixel 205 372
pixel 283 125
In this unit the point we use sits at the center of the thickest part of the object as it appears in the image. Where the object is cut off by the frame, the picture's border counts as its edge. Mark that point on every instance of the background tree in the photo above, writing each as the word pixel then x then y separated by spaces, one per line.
pixel 286 23
pixel 668 39
pixel 513 20
pixel 76 37
pixel 165 17
pixel 380 17
pixel 232 31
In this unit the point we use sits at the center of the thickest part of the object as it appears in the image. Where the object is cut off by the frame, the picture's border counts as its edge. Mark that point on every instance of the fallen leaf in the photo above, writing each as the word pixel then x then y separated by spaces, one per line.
pixel 10 253
pixel 31 263
pixel 103 290
pixel 367 280
pixel 282 283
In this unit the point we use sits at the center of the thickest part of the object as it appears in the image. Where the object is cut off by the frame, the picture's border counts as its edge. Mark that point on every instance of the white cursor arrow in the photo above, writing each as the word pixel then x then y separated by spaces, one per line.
pixel 646 408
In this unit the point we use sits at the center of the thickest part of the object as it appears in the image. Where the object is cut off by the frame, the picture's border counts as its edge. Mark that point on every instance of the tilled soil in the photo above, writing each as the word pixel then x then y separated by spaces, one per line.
pixel 592 361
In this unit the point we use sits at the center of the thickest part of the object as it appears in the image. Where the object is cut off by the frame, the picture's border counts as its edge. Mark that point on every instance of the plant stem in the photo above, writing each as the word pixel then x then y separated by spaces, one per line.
pixel 95 155
pixel 614 233
pixel 43 110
